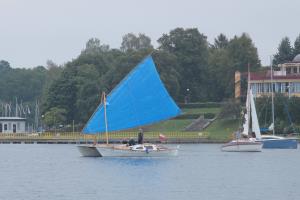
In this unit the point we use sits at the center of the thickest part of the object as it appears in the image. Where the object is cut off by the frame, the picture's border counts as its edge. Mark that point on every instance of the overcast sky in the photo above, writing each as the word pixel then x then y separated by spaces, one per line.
pixel 33 31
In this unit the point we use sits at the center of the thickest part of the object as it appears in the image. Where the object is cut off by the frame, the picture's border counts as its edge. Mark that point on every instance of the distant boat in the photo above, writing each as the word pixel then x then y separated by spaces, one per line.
pixel 273 141
pixel 277 142
pixel 139 99
pixel 248 143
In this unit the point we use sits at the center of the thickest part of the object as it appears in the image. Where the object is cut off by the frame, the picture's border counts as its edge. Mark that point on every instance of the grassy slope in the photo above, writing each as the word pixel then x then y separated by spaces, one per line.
pixel 180 124
pixel 222 129
pixel 170 125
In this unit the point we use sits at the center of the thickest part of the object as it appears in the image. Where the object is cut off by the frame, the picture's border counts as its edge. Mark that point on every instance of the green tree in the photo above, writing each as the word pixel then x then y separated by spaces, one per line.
pixel 191 49
pixel 167 67
pixel 135 43
pixel 296 49
pixel 55 116
pixel 94 46
pixel 220 75
pixel 221 42
pixel 4 66
pixel 62 94
pixel 231 110
pixel 243 52
pixel 285 52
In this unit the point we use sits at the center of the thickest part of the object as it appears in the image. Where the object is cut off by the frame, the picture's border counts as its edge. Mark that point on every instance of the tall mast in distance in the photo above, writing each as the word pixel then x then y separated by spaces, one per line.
pixel 272 94
pixel 248 101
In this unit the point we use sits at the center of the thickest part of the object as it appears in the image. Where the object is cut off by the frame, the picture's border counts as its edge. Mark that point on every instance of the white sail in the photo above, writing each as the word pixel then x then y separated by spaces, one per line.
pixel 255 125
pixel 246 116
pixel 271 127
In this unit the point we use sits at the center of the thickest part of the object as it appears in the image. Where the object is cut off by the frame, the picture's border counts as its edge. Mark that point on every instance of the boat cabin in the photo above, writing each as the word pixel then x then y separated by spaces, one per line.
pixel 12 125
pixel 144 147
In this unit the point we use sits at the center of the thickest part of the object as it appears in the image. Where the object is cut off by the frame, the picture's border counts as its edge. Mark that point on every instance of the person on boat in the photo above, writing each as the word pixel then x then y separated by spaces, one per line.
pixel 131 142
pixel 237 134
pixel 140 136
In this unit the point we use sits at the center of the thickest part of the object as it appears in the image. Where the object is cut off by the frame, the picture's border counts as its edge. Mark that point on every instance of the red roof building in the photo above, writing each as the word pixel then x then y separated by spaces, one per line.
pixel 286 80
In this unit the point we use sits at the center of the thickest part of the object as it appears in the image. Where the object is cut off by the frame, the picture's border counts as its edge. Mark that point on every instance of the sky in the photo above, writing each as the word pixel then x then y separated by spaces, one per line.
pixel 34 31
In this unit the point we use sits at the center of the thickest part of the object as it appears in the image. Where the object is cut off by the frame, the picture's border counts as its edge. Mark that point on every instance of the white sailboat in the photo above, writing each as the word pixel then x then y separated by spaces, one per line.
pixel 251 142
pixel 139 99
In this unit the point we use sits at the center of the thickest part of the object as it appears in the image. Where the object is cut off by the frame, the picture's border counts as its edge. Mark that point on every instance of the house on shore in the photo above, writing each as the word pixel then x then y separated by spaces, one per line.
pixel 12 125
pixel 286 80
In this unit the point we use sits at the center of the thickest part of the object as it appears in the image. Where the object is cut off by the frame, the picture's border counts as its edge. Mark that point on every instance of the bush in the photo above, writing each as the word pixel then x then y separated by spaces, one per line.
pixel 209 115
pixel 188 116
pixel 201 105
pixel 196 116
pixel 231 110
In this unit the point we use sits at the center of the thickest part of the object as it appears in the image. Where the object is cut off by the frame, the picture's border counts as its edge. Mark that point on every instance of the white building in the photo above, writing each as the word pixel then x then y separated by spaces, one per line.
pixel 286 80
pixel 12 125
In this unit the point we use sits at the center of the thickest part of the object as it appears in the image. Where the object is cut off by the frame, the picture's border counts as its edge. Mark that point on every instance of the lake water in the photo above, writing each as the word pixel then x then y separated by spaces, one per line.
pixel 202 172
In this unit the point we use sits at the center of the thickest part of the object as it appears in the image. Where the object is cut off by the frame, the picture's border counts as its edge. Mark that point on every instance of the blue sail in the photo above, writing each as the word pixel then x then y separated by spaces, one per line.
pixel 139 99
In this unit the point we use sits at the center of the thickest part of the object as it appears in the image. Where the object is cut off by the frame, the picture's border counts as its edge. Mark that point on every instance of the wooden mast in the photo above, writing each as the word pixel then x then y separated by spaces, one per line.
pixel 105 118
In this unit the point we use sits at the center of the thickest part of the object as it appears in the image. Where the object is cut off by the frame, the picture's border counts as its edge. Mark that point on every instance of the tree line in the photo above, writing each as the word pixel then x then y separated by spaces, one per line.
pixel 191 68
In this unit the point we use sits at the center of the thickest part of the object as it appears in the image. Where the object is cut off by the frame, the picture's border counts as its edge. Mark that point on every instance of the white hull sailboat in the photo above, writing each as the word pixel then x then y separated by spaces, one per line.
pixel 140 150
pixel 250 143
pixel 139 99
pixel 242 145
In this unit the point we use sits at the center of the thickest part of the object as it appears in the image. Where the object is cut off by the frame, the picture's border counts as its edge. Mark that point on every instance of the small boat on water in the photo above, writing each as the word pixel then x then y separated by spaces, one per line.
pixel 273 141
pixel 139 99
pixel 243 145
pixel 138 150
pixel 249 143
pixel 277 142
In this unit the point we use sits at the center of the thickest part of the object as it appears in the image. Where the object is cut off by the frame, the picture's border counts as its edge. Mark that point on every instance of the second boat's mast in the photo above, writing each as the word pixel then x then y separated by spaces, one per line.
pixel 272 93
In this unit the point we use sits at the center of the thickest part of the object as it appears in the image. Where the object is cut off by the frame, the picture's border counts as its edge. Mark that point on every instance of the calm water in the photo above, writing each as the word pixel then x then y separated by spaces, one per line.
pixel 199 172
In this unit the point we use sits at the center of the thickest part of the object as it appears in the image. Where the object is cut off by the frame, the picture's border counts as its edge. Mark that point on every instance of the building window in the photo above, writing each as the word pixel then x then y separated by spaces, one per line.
pixel 295 70
pixel 288 70
pixel 5 127
pixel 297 87
pixel 0 127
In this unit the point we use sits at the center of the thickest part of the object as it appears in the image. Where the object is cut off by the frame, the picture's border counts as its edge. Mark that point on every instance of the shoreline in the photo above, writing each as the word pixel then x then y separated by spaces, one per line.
pixel 112 141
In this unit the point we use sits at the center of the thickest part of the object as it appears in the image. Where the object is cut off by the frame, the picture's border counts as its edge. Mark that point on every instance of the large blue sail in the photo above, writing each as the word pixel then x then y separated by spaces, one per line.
pixel 139 99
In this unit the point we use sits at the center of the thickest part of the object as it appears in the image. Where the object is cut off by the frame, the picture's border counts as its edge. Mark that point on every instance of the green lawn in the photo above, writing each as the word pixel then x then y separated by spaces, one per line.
pixel 180 124
pixel 170 125
pixel 222 129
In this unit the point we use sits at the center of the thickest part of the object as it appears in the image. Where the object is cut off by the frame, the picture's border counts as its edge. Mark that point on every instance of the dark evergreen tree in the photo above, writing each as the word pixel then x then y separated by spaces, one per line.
pixel 296 49
pixel 221 41
pixel 285 52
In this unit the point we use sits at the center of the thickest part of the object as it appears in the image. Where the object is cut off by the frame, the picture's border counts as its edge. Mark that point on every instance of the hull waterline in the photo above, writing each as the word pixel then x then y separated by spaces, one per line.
pixel 239 146
pixel 122 151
